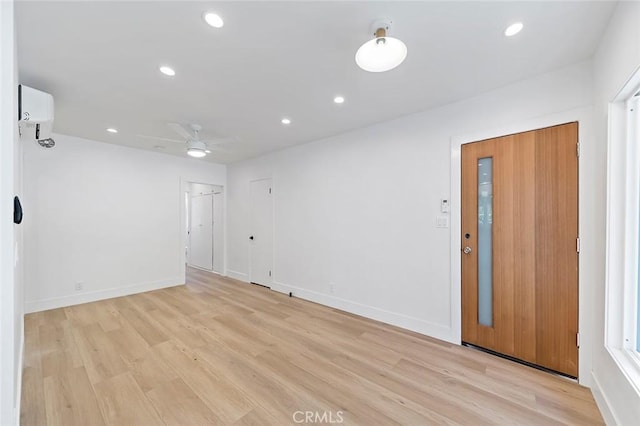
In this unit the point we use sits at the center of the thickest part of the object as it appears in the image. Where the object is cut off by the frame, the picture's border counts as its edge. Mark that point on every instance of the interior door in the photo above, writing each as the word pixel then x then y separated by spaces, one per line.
pixel 201 233
pixel 519 243
pixel 261 232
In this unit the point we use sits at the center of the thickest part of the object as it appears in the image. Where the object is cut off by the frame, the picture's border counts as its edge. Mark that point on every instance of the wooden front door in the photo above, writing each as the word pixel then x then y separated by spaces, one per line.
pixel 519 242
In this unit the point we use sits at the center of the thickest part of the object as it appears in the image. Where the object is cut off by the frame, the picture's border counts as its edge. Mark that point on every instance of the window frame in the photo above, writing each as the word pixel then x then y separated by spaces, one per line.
pixel 623 231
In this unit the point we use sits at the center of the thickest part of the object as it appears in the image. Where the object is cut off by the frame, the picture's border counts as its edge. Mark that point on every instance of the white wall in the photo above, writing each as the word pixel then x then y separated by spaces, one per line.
pixel 11 296
pixel 617 57
pixel 358 210
pixel 107 216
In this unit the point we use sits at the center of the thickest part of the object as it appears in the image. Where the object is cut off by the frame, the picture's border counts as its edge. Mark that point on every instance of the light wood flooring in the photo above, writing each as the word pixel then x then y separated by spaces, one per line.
pixel 218 351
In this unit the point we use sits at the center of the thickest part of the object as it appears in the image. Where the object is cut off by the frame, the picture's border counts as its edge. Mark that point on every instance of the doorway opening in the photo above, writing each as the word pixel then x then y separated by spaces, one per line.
pixel 204 225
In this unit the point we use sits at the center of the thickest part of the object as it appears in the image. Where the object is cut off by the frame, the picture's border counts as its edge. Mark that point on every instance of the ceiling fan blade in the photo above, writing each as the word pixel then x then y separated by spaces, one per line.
pixel 216 148
pixel 220 141
pixel 180 130
pixel 160 139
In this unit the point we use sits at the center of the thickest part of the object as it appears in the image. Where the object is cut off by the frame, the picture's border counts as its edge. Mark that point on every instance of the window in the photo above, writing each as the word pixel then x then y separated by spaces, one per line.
pixel 632 337
pixel 623 232
pixel 631 327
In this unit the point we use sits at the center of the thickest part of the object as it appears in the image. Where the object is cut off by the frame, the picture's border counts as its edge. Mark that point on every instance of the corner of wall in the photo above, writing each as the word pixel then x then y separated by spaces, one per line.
pixel 602 401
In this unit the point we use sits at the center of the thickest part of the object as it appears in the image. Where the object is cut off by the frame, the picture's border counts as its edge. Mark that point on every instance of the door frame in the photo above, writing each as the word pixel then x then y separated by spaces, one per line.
pixel 184 188
pixel 273 228
pixel 585 286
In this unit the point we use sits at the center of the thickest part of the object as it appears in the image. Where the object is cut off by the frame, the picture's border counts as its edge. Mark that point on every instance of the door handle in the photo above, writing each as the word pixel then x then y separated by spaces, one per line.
pixel 17 211
pixel 466 250
pixel 251 237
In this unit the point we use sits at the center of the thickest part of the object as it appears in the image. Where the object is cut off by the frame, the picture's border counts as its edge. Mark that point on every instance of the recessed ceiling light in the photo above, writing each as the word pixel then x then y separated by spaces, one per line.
pixel 338 99
pixel 167 71
pixel 213 19
pixel 112 130
pixel 513 29
pixel 285 121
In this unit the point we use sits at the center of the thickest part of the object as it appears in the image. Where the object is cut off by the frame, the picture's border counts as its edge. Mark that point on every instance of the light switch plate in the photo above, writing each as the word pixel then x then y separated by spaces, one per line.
pixel 442 221
pixel 444 206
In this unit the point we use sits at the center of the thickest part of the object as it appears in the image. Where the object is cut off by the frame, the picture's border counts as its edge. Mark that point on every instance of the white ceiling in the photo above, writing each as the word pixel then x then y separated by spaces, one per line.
pixel 273 59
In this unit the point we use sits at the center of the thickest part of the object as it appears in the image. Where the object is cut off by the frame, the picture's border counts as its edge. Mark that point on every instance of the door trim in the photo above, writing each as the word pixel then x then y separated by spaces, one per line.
pixel 585 298
pixel 183 188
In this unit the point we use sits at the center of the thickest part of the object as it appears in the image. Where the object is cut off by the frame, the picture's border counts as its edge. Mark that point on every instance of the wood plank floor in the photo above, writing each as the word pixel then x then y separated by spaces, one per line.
pixel 217 351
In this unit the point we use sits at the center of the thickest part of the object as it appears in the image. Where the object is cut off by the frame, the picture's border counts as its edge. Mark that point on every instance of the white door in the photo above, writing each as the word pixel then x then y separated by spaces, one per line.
pixel 201 235
pixel 218 233
pixel 261 232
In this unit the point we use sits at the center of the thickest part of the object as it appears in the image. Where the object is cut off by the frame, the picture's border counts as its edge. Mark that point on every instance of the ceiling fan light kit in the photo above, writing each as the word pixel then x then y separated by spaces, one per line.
pixel 382 53
pixel 196 149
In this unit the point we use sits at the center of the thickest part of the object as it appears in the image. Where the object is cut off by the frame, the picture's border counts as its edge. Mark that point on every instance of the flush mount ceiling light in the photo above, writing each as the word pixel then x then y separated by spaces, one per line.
pixel 196 148
pixel 167 71
pixel 285 121
pixel 338 99
pixel 112 130
pixel 513 29
pixel 382 53
pixel 213 19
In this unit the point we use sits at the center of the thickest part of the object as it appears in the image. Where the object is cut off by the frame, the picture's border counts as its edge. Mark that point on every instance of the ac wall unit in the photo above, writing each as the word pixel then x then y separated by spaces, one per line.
pixel 35 114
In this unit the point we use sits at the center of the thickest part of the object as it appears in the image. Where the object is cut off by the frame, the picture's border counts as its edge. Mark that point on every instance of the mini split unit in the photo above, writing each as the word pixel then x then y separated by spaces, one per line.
pixel 35 115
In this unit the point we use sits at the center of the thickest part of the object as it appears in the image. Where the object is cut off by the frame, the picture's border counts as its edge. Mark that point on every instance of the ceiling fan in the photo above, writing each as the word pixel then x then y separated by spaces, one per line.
pixel 195 146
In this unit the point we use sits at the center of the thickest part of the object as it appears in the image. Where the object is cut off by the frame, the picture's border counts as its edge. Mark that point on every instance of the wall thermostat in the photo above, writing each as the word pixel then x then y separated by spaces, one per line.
pixel 444 206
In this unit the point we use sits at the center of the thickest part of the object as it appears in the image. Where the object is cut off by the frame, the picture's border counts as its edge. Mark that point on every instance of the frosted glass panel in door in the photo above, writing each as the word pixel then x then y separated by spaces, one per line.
pixel 485 241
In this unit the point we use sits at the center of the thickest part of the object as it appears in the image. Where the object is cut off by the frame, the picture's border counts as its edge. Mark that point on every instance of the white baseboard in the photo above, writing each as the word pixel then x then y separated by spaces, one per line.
pixel 211 271
pixel 404 321
pixel 602 401
pixel 240 276
pixel 93 296
pixel 18 396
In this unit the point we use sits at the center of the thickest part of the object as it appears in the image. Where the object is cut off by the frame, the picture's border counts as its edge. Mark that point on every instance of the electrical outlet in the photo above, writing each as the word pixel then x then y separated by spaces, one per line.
pixel 331 288
pixel 79 285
